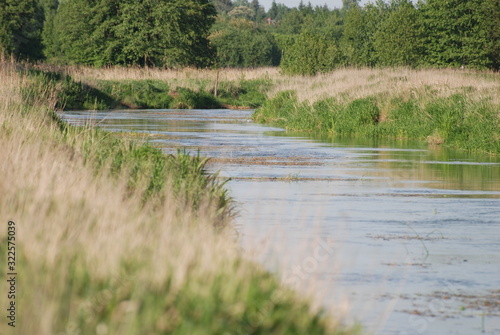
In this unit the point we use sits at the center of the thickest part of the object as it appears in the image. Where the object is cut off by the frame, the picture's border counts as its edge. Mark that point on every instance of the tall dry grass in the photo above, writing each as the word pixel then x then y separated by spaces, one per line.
pixel 350 84
pixel 89 74
pixel 92 259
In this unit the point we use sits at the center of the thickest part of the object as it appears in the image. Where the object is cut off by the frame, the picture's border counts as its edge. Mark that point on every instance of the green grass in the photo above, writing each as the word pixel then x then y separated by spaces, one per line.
pixel 146 167
pixel 244 93
pixel 227 306
pixel 138 93
pixel 457 120
pixel 186 98
pixel 151 94
pixel 65 93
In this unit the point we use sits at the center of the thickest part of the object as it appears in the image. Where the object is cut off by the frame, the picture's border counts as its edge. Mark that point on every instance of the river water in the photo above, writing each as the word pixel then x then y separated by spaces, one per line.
pixel 401 237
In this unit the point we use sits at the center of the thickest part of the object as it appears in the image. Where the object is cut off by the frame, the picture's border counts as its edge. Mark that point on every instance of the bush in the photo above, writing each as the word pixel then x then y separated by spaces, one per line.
pixel 310 54
pixel 247 93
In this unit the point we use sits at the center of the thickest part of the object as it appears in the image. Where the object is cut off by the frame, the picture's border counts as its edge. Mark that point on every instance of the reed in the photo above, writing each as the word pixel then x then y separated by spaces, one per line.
pixel 84 73
pixel 442 107
pixel 348 84
pixel 97 254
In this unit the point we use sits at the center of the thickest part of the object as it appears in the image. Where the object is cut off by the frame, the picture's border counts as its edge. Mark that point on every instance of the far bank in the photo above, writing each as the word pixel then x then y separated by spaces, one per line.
pixel 441 107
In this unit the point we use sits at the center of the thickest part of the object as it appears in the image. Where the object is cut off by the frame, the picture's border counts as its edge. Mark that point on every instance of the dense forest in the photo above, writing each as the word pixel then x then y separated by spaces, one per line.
pixel 241 33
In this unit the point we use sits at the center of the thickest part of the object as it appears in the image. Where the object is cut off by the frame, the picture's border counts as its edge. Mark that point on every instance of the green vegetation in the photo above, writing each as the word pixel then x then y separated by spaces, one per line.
pixel 452 121
pixel 240 44
pixel 145 167
pixel 383 33
pixel 158 94
pixel 305 40
pixel 149 93
pixel 66 92
pixel 435 106
pixel 310 54
pixel 145 94
pixel 403 104
pixel 21 24
pixel 115 237
pixel 149 33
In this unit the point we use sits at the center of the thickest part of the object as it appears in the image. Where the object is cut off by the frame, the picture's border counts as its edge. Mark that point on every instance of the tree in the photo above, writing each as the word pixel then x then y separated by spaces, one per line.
pixel 306 10
pixel 243 45
pixel 273 11
pixel 242 12
pixel 223 6
pixel 50 46
pixel 399 39
pixel 361 24
pixel 237 3
pixel 259 11
pixel 490 27
pixel 179 40
pixel 330 23
pixel 459 32
pixel 356 43
pixel 72 31
pixel 292 22
pixel 167 33
pixel 348 4
pixel 277 11
pixel 20 28
pixel 107 45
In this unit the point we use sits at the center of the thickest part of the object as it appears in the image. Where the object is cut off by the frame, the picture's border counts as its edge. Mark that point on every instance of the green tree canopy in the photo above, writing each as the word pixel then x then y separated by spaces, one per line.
pixel 310 54
pixel 240 44
pixel 356 41
pixel 20 28
pixel 223 6
pixel 167 33
pixel 242 12
pixel 461 33
pixel 399 39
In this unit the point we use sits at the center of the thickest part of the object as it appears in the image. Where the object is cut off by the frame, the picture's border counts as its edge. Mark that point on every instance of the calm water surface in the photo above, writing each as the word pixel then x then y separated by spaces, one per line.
pixel 404 237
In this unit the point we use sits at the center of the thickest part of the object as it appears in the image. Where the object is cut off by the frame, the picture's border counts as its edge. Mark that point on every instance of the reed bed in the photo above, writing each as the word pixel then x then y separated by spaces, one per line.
pixel 95 256
pixel 349 84
pixel 439 106
pixel 89 74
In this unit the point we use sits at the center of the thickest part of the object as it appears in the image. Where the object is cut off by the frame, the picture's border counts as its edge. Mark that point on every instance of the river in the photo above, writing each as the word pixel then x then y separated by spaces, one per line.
pixel 401 237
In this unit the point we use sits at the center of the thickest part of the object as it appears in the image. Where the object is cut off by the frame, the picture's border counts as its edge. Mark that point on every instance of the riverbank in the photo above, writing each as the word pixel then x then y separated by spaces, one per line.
pixel 441 107
pixel 112 237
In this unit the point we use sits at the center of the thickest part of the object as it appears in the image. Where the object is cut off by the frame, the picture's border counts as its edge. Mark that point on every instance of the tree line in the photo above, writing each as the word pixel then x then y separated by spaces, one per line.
pixel 241 33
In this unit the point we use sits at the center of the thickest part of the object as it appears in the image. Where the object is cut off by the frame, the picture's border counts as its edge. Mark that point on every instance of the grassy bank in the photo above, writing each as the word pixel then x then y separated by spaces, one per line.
pixel 442 107
pixel 87 88
pixel 114 238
